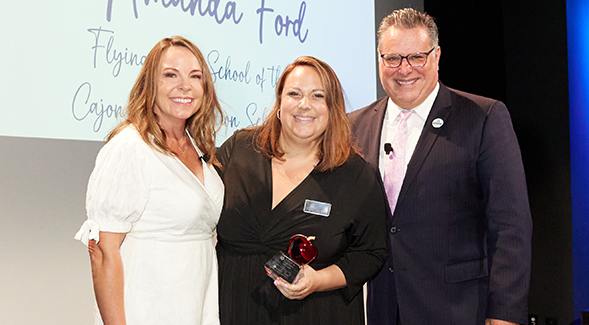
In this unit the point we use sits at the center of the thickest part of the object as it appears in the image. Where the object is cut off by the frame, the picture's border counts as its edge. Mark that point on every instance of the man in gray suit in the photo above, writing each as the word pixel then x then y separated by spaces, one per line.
pixel 460 225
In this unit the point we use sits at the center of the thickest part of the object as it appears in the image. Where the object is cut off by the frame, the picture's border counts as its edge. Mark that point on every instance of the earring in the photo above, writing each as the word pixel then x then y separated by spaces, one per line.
pixel 278 113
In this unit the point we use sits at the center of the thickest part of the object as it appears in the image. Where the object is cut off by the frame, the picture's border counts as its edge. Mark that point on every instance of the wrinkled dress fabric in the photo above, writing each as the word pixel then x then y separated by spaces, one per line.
pixel 250 232
pixel 169 217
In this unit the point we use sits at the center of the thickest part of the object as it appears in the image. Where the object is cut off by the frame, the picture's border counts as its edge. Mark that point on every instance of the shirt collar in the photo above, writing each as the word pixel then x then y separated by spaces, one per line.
pixel 422 110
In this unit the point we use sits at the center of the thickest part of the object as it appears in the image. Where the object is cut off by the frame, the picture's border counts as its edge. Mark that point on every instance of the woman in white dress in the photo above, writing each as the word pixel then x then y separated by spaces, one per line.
pixel 154 198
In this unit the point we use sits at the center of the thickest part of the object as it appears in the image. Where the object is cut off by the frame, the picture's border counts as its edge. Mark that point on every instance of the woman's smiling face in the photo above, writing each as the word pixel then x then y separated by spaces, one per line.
pixel 304 113
pixel 179 86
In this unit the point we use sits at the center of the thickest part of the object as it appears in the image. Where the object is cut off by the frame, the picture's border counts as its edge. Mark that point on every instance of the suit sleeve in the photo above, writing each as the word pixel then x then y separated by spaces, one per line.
pixel 509 222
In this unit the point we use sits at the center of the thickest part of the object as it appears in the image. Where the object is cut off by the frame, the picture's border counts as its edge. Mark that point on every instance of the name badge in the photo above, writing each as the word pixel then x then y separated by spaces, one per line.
pixel 318 208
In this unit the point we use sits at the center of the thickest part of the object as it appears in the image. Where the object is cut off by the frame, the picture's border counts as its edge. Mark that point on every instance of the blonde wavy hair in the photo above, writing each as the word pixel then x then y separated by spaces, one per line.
pixel 202 126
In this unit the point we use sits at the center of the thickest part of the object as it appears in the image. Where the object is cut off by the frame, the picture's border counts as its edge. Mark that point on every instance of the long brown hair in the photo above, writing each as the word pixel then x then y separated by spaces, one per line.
pixel 202 126
pixel 336 144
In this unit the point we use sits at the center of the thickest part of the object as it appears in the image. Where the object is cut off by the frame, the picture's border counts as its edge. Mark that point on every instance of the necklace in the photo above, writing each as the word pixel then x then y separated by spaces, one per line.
pixel 180 147
pixel 185 156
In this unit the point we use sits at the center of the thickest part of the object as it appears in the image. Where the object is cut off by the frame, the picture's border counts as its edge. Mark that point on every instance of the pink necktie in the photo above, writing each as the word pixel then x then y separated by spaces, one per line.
pixel 395 162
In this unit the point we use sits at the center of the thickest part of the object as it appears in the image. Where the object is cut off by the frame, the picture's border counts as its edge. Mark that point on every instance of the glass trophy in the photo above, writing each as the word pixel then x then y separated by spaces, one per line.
pixel 300 252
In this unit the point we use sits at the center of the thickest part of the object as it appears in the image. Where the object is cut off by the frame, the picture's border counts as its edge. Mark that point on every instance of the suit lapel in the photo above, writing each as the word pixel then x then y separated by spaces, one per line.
pixel 374 134
pixel 428 137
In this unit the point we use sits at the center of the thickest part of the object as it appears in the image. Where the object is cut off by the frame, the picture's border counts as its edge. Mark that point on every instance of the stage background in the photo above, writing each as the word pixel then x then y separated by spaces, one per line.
pixel 516 51
pixel 512 51
pixel 67 68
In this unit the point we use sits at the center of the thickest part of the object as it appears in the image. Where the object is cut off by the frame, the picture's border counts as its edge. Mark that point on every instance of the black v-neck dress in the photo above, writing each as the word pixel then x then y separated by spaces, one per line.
pixel 250 232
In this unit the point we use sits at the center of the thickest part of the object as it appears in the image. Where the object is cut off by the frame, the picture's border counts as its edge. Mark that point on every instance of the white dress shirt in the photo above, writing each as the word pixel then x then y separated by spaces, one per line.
pixel 415 125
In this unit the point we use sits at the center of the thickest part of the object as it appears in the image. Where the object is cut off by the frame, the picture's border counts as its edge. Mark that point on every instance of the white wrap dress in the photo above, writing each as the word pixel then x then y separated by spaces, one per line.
pixel 169 217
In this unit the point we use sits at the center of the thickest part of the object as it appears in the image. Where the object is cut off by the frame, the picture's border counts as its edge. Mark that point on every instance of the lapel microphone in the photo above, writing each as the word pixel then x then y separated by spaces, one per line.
pixel 205 158
pixel 388 148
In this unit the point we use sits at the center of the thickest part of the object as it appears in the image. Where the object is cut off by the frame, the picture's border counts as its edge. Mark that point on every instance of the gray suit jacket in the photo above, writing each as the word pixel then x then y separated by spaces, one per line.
pixel 460 238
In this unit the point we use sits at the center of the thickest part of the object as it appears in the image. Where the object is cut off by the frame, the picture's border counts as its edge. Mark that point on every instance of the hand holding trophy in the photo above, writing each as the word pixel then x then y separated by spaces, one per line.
pixel 300 252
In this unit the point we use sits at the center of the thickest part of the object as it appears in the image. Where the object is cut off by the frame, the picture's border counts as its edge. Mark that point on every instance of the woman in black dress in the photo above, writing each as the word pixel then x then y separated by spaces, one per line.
pixel 302 152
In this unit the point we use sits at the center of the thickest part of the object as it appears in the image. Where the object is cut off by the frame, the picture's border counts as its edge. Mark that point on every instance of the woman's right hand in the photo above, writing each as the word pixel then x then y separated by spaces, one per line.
pixel 308 281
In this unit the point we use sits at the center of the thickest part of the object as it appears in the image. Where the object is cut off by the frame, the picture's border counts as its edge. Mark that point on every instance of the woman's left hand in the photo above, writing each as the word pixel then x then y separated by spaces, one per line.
pixel 308 281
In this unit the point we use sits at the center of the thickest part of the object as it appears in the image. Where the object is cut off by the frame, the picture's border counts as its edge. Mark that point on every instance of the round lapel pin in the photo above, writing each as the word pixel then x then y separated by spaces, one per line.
pixel 437 123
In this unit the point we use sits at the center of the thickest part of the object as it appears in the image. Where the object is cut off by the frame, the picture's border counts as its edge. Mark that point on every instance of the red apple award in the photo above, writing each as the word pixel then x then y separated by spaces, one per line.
pixel 300 252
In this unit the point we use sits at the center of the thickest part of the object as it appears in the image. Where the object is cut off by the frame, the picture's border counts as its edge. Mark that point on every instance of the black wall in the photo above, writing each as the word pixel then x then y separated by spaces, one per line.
pixel 516 51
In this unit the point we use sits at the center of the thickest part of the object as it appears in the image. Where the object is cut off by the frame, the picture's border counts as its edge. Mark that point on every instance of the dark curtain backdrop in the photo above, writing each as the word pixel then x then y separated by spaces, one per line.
pixel 516 51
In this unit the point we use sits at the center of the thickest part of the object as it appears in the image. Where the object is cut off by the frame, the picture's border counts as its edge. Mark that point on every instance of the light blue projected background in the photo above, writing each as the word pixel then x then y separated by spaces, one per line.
pixel 68 66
